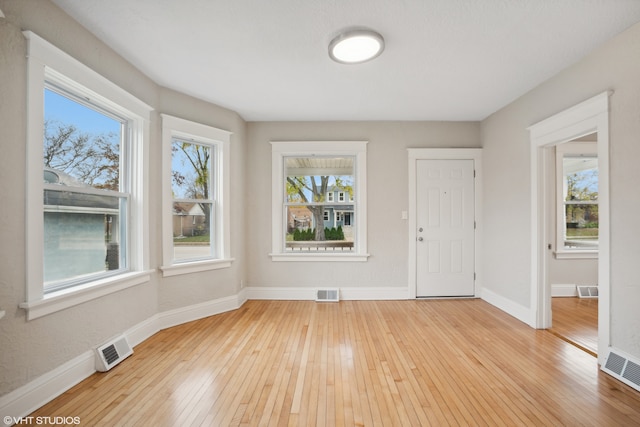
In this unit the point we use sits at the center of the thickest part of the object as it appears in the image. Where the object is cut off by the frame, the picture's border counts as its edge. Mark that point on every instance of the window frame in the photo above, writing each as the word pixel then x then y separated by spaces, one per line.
pixel 561 252
pixel 220 141
pixel 282 149
pixel 46 64
pixel 72 94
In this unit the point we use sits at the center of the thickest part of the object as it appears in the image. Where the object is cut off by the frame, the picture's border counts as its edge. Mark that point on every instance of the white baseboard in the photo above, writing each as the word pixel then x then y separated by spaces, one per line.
pixel 374 293
pixel 26 399
pixel 309 294
pixel 182 315
pixel 516 310
pixel 143 330
pixel 564 290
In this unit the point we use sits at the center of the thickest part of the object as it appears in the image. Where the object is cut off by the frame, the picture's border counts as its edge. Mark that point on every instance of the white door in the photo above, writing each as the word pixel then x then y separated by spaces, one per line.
pixel 445 220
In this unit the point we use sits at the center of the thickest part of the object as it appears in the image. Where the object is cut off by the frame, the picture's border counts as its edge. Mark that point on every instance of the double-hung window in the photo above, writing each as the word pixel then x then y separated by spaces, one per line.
pixel 311 219
pixel 86 196
pixel 577 189
pixel 196 192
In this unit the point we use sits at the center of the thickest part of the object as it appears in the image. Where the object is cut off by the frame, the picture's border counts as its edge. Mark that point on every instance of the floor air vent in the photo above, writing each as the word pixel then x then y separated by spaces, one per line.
pixel 620 366
pixel 112 353
pixel 590 291
pixel 327 295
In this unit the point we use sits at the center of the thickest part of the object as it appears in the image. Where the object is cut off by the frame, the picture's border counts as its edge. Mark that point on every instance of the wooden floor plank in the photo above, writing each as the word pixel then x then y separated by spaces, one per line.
pixel 299 363
pixel 576 321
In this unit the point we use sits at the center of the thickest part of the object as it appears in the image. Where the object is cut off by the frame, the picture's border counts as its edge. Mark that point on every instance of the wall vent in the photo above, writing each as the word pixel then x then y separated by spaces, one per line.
pixel 622 367
pixel 587 291
pixel 328 295
pixel 110 354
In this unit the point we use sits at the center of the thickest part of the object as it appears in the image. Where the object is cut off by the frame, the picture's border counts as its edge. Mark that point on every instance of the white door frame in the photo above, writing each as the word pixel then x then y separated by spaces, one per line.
pixel 416 154
pixel 583 119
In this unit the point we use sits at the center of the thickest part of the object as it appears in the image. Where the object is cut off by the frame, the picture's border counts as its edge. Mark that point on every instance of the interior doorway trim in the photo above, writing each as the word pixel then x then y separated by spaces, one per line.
pixel 416 154
pixel 583 119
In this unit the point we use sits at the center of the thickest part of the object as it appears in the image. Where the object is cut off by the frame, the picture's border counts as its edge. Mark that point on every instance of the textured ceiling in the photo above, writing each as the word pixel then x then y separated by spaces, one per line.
pixel 267 60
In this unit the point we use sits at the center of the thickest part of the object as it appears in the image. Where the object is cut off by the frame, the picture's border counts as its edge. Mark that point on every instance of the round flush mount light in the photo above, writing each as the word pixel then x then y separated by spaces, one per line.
pixel 356 46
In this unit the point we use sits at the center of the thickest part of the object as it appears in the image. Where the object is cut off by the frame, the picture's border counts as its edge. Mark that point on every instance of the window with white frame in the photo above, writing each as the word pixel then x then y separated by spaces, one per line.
pixel 86 199
pixel 577 189
pixel 196 191
pixel 341 196
pixel 304 175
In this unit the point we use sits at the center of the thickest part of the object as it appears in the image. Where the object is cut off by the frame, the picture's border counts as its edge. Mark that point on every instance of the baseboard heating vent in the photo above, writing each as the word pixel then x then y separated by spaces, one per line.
pixel 328 295
pixel 112 353
pixel 587 291
pixel 621 366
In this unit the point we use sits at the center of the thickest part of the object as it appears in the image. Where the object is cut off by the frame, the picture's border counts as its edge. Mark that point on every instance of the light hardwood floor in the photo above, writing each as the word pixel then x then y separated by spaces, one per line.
pixel 576 321
pixel 424 362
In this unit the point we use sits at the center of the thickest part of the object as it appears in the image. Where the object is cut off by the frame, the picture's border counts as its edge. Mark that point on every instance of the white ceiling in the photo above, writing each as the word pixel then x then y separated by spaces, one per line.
pixel 268 60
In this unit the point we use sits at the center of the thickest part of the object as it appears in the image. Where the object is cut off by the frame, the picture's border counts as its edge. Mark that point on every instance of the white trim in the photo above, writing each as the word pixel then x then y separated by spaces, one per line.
pixel 280 293
pixel 586 148
pixel 373 293
pixel 564 290
pixel 415 154
pixel 31 396
pixel 516 310
pixel 65 298
pixel 26 399
pixel 583 119
pixel 48 63
pixel 576 254
pixel 349 293
pixel 195 267
pixel 182 315
pixel 282 149
pixel 319 257
pixel 174 127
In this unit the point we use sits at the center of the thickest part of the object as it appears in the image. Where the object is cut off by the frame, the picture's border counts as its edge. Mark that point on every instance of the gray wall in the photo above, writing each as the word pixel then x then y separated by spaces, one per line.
pixel 32 348
pixel 507 208
pixel 387 196
pixel 29 349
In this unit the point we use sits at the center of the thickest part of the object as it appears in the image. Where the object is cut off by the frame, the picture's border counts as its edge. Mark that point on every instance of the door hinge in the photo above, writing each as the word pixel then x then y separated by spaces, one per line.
pixel 474 173
pixel 474 225
pixel 474 277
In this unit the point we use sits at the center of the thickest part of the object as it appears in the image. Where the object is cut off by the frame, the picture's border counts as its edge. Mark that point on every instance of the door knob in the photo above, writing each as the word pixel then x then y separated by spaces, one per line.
pixel 420 229
pixel 420 239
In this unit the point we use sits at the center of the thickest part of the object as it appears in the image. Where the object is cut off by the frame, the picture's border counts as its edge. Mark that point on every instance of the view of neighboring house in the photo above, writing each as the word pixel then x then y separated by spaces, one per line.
pixel 338 213
pixel 93 219
pixel 188 219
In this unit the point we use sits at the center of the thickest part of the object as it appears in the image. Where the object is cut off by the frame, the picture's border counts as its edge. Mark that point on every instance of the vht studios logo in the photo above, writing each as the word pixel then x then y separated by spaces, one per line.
pixel 41 420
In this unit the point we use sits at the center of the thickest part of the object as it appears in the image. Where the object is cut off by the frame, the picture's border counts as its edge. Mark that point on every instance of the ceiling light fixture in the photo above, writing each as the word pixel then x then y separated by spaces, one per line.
pixel 356 46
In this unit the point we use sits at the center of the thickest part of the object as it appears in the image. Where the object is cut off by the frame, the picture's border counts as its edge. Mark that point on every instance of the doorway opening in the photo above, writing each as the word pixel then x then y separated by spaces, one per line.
pixel 586 118
pixel 573 230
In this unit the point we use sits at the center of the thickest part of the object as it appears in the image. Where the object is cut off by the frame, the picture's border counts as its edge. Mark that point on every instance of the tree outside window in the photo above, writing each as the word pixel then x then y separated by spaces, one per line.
pixel 193 198
pixel 309 222
pixel 85 200
pixel 581 201
pixel 311 187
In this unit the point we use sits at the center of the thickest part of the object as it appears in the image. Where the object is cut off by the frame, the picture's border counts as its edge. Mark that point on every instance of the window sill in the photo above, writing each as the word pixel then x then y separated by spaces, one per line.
pixel 586 254
pixel 320 257
pixel 195 267
pixel 63 299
